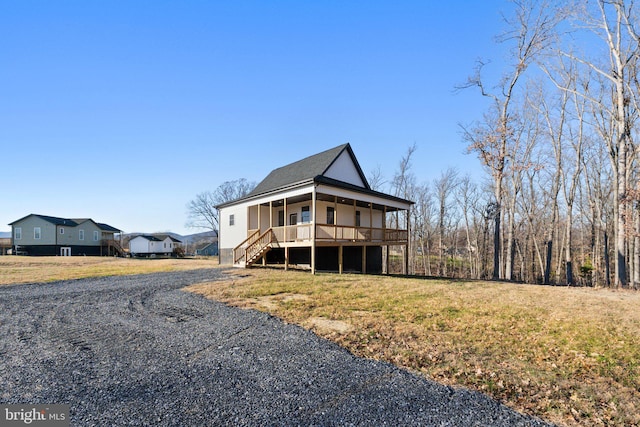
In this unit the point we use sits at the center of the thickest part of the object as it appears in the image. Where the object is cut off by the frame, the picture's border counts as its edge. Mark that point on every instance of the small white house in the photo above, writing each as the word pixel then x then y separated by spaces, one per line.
pixel 148 245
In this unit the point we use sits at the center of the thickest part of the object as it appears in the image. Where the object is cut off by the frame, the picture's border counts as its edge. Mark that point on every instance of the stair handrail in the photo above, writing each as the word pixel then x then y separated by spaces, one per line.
pixel 263 241
pixel 239 251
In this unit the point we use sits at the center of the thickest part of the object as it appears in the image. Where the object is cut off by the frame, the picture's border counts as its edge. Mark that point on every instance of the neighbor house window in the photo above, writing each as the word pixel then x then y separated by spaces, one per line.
pixel 232 219
pixel 80 234
pixel 36 233
pixel 96 236
pixel 17 233
pixel 61 230
pixel 306 216
pixel 357 218
pixel 331 215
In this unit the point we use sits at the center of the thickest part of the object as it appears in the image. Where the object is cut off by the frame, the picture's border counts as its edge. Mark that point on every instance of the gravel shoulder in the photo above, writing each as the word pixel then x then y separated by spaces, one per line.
pixel 137 350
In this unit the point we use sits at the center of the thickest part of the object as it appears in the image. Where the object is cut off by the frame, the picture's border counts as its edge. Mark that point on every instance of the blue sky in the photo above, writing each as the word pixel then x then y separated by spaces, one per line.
pixel 123 111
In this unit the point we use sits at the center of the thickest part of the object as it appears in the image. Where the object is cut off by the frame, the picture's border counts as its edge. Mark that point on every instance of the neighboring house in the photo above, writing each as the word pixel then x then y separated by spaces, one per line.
pixel 207 249
pixel 318 213
pixel 157 244
pixel 49 235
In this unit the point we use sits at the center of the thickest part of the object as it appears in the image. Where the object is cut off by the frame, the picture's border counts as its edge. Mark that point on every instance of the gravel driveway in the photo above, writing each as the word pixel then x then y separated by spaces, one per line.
pixel 137 350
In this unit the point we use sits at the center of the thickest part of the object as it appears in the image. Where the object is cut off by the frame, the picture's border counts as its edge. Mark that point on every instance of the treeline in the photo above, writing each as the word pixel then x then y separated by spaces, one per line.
pixel 561 202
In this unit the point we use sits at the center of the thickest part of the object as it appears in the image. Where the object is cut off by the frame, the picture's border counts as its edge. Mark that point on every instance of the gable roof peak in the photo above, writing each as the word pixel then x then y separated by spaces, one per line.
pixel 306 169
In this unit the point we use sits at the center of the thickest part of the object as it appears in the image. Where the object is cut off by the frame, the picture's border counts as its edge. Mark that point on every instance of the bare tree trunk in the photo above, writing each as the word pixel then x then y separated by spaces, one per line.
pixel 607 263
pixel 568 259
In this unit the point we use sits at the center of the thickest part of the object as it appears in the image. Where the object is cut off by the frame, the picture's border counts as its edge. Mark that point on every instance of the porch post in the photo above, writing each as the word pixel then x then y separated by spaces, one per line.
pixel 408 244
pixel 364 259
pixel 386 261
pixel 284 231
pixel 286 258
pixel 340 256
pixel 385 254
pixel 384 223
pixel 371 221
pixel 313 230
pixel 335 217
pixel 355 216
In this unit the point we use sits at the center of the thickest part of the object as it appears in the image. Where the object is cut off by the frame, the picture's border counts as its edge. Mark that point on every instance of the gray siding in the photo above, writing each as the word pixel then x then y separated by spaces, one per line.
pixel 71 236
pixel 47 232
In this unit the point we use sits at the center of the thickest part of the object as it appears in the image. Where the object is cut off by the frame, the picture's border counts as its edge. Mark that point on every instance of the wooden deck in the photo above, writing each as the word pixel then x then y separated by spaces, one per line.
pixel 254 246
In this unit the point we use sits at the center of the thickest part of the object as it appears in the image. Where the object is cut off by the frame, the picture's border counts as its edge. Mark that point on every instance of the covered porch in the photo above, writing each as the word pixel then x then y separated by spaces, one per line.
pixel 327 229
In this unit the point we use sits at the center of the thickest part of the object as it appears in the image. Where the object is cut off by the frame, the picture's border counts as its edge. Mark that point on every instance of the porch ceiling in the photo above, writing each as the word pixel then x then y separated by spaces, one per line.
pixel 329 198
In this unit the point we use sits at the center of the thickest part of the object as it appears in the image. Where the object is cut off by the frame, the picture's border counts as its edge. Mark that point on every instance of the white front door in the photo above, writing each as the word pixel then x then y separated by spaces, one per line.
pixel 65 251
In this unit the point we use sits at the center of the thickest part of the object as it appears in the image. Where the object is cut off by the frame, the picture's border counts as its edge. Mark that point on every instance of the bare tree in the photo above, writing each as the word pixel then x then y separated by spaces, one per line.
pixel 614 23
pixel 376 179
pixel 422 219
pixel 531 30
pixel 404 186
pixel 468 199
pixel 444 190
pixel 202 212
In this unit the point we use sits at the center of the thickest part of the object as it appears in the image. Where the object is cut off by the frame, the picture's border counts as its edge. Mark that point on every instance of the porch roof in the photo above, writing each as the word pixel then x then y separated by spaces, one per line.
pixel 281 193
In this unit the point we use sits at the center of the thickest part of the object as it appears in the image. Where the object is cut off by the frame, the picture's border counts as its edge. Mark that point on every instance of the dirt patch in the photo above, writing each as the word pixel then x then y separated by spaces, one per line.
pixel 324 325
pixel 271 302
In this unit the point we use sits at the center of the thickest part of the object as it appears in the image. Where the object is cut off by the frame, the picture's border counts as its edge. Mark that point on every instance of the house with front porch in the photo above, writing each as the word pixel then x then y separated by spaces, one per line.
pixel 318 213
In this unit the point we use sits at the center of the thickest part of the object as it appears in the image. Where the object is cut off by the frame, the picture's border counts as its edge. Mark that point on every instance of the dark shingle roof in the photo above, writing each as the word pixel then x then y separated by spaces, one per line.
pixel 107 227
pixel 69 222
pixel 58 221
pixel 303 170
pixel 158 237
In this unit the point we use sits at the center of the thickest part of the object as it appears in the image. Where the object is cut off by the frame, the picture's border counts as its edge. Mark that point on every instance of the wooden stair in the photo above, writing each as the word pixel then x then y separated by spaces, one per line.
pixel 115 247
pixel 254 248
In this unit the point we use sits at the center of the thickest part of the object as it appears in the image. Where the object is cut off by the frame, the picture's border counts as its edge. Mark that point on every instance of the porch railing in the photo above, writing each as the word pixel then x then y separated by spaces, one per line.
pixel 328 232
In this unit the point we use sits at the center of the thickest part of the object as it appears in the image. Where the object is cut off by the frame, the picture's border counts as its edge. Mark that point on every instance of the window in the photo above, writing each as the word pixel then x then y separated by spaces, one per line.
pixel 357 218
pixel 80 234
pixel 17 233
pixel 306 217
pixel 36 233
pixel 61 230
pixel 331 215
pixel 165 245
pixel 96 236
pixel 232 220
pixel 293 219
pixel 280 218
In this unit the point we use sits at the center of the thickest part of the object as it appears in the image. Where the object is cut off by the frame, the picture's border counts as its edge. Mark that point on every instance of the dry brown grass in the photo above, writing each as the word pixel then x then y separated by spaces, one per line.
pixel 568 355
pixel 19 269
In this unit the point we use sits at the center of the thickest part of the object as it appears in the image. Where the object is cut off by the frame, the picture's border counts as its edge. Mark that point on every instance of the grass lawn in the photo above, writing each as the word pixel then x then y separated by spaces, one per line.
pixel 568 355
pixel 20 269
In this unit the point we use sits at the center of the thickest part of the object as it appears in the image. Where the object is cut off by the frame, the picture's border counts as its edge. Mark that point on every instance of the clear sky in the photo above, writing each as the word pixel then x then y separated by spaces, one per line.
pixel 122 111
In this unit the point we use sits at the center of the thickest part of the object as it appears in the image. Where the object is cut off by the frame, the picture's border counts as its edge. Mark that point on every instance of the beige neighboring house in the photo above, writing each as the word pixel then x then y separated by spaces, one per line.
pixel 318 213
pixel 48 235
